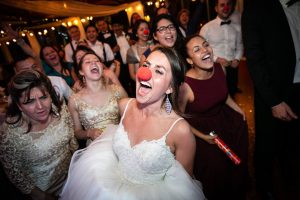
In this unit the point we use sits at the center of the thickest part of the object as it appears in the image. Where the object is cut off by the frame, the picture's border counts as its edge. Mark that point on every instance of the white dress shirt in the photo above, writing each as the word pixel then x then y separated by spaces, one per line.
pixel 97 47
pixel 124 46
pixel 69 51
pixel 225 40
pixel 61 87
pixel 293 16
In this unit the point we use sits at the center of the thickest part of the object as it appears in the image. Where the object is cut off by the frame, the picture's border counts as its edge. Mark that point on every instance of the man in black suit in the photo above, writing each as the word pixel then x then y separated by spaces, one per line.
pixel 270 31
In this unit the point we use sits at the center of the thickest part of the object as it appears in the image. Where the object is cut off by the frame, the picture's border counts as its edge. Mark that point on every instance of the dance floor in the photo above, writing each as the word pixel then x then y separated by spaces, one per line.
pixel 245 101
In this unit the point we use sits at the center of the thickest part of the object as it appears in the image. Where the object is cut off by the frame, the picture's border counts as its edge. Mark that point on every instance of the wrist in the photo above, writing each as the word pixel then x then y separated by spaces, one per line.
pixel 20 41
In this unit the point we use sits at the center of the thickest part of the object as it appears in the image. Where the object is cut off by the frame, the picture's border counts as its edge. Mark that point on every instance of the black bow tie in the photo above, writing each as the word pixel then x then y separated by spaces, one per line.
pixel 291 2
pixel 225 22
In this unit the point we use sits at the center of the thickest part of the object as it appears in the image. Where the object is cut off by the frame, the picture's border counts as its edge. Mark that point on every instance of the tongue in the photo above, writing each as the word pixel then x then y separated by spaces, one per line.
pixel 143 91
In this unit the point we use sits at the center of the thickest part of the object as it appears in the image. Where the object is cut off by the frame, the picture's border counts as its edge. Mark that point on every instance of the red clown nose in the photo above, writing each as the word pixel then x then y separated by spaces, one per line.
pixel 146 31
pixel 226 8
pixel 144 74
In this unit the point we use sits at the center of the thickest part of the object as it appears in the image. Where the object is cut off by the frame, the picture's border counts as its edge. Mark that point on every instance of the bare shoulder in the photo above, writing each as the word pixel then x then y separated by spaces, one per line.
pixel 182 128
pixel 122 104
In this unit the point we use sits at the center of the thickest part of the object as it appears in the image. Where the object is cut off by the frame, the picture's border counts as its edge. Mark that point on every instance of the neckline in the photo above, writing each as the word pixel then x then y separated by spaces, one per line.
pixel 142 141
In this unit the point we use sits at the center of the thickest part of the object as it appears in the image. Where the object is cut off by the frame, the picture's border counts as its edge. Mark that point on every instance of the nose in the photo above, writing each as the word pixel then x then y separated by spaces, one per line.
pixel 226 8
pixel 144 74
pixel 146 32
pixel 39 104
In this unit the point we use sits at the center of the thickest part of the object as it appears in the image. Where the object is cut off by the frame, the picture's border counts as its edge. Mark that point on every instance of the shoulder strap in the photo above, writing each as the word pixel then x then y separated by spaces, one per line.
pixel 126 109
pixel 174 123
pixel 104 52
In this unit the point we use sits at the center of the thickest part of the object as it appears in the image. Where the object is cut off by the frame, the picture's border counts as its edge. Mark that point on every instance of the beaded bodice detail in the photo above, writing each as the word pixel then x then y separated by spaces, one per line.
pixel 99 117
pixel 146 162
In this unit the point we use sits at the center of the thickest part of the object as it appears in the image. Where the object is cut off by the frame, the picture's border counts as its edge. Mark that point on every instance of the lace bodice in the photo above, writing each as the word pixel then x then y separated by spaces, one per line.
pixel 40 158
pixel 146 162
pixel 99 117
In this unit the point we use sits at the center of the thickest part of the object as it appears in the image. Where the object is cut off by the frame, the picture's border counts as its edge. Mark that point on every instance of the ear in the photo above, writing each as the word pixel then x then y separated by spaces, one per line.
pixel 80 72
pixel 188 60
pixel 169 90
pixel 154 36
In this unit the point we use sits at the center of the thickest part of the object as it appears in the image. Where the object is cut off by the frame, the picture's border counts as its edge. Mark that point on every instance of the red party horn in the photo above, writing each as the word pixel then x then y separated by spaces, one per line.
pixel 144 74
pixel 221 144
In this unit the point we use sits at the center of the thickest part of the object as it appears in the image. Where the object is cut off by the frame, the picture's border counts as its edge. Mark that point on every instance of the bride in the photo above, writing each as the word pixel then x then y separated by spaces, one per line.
pixel 150 154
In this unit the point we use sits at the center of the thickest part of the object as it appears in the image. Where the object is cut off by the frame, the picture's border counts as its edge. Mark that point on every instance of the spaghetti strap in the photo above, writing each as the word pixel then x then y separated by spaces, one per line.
pixel 125 109
pixel 174 123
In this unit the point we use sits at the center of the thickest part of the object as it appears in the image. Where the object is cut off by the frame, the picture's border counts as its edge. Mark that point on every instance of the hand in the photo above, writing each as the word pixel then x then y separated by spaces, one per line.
pixel 11 34
pixel 109 76
pixel 78 85
pixel 239 110
pixel 235 63
pixel 223 62
pixel 283 112
pixel 93 133
pixel 209 139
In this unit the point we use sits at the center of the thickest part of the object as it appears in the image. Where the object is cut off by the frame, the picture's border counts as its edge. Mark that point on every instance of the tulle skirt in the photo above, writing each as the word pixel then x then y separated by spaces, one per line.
pixel 94 174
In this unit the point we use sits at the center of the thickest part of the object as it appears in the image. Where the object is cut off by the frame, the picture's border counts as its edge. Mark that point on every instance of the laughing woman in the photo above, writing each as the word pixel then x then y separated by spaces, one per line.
pixel 96 105
pixel 205 100
pixel 149 155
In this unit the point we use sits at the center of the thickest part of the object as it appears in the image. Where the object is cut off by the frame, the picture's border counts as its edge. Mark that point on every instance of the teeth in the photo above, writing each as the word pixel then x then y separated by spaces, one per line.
pixel 145 84
pixel 205 57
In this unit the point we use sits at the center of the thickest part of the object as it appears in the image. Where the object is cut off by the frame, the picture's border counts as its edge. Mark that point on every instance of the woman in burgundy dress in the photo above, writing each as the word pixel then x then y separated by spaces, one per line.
pixel 208 107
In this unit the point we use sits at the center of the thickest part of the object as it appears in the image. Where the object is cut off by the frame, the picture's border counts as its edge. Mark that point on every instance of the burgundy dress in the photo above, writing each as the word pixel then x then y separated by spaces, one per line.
pixel 221 178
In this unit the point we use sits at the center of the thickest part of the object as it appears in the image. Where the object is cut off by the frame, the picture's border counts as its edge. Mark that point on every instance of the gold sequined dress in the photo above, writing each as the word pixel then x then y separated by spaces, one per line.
pixel 99 117
pixel 38 159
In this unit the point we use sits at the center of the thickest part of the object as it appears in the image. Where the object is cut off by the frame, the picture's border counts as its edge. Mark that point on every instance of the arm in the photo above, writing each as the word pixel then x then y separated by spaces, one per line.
pixel 185 146
pixel 117 69
pixel 12 159
pixel 132 73
pixel 186 95
pixel 79 132
pixel 24 46
pixel 110 77
pixel 234 106
pixel 122 105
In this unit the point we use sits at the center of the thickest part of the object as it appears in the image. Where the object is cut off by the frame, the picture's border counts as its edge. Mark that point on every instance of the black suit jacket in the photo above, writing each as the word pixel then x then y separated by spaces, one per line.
pixel 269 50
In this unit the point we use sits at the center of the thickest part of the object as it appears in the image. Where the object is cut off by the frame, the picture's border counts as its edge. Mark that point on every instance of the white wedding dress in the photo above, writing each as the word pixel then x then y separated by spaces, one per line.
pixel 110 168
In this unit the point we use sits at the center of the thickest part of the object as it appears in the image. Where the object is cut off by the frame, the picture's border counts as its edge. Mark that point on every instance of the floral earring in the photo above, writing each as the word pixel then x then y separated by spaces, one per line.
pixel 168 105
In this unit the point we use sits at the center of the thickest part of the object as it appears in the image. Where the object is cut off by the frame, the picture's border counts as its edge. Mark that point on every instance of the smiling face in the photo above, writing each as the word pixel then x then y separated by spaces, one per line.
pixel 200 53
pixel 159 84
pixel 91 34
pixel 165 33
pixel 140 32
pixel 36 106
pixel 224 8
pixel 51 57
pixel 91 68
pixel 184 18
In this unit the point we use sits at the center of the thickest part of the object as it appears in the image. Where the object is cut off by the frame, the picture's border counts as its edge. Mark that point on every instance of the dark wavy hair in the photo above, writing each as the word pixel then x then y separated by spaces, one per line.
pixel 42 57
pixel 179 38
pixel 22 84
pixel 136 27
pixel 178 74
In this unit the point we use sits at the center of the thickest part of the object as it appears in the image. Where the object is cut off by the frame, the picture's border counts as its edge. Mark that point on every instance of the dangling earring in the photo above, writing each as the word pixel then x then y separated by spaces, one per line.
pixel 168 105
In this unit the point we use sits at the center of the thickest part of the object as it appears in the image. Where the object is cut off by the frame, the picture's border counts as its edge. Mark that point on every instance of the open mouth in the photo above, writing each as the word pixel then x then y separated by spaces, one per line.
pixel 95 70
pixel 206 57
pixel 144 88
pixel 145 84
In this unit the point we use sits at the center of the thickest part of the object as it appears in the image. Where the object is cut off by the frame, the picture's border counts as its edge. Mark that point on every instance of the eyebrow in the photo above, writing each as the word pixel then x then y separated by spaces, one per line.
pixel 158 66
